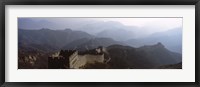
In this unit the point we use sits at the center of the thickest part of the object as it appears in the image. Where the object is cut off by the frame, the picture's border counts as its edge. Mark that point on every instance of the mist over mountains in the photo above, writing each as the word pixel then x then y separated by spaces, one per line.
pixel 127 46
pixel 59 38
pixel 172 39
pixel 131 35
pixel 95 26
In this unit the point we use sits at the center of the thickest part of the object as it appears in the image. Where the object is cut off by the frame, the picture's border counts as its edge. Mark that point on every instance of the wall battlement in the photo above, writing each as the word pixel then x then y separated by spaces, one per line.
pixel 73 59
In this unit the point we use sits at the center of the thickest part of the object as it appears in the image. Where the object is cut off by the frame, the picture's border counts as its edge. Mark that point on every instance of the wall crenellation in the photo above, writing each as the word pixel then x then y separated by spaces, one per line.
pixel 74 59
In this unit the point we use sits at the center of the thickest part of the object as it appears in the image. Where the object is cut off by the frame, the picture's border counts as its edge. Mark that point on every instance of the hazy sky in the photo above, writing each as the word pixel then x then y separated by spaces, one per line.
pixel 140 22
pixel 155 24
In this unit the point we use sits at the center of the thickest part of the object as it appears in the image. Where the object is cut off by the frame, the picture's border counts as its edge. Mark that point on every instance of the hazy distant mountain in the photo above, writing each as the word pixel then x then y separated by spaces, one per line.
pixel 47 37
pixel 49 40
pixel 93 27
pixel 172 39
pixel 143 57
pixel 117 34
pixel 96 27
pixel 67 38
pixel 87 43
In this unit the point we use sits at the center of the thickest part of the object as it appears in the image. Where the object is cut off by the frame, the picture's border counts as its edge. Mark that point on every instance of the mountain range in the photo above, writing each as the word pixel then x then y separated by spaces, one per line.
pixel 47 37
pixel 132 35
pixel 149 53
pixel 172 39
pixel 143 57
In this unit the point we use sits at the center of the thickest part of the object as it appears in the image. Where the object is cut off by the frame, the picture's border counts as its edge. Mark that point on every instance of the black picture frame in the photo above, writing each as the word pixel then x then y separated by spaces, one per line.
pixel 99 2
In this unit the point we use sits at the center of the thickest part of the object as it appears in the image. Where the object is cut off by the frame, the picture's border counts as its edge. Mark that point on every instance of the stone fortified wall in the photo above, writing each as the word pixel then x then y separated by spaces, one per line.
pixel 81 60
pixel 75 60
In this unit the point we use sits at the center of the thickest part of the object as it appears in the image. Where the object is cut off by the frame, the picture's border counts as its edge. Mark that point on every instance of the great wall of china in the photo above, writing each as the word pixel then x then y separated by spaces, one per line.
pixel 73 59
